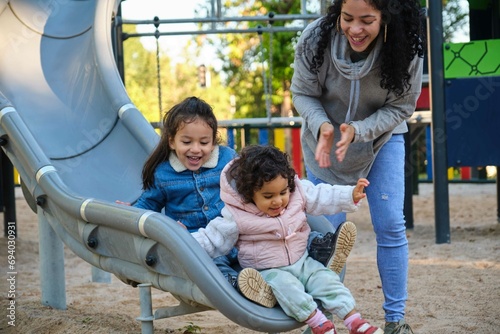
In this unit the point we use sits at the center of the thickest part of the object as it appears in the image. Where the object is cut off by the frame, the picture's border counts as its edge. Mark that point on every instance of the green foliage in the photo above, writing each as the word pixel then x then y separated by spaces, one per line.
pixel 455 19
pixel 177 81
pixel 249 62
pixel 252 60
pixel 190 329
pixel 140 76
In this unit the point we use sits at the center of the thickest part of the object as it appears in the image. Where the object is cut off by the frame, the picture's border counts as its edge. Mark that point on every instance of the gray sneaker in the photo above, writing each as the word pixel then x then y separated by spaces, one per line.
pixel 400 327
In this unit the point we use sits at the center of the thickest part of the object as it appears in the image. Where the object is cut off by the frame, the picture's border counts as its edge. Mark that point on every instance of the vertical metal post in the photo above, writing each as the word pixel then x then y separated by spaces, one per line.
pixel 303 11
pixel 247 135
pixel 2 172
pixel 8 202
pixel 117 39
pixel 146 317
pixel 440 174
pixel 52 280
pixel 498 194
pixel 100 276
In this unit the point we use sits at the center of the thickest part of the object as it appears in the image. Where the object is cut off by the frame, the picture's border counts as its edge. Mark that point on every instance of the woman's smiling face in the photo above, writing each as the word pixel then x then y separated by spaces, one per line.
pixel 360 23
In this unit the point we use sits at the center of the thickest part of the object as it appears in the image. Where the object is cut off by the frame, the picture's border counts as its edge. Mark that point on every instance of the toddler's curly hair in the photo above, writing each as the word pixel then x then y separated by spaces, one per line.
pixel 258 164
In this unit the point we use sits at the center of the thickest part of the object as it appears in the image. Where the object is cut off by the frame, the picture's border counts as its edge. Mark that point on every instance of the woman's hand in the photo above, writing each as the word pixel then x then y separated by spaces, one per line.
pixel 358 193
pixel 325 144
pixel 346 137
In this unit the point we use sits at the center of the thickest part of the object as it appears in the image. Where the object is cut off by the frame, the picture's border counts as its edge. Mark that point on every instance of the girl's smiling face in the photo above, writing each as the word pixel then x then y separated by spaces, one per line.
pixel 360 23
pixel 193 143
pixel 273 197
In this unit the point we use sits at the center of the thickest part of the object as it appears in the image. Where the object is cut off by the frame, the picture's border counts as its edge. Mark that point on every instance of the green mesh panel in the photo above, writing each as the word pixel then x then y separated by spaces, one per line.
pixel 472 59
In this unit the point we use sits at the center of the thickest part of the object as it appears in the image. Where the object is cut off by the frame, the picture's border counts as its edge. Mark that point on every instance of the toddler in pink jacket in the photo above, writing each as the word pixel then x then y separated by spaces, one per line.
pixel 265 218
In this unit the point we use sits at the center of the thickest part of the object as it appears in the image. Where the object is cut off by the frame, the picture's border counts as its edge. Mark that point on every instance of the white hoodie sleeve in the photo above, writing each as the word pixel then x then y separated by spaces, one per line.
pixel 220 235
pixel 327 199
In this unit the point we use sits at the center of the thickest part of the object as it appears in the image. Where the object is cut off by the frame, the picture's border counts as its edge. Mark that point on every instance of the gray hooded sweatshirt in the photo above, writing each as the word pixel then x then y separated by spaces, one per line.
pixel 348 92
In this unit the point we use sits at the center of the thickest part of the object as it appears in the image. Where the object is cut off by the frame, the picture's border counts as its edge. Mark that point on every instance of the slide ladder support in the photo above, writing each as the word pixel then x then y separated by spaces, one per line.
pixel 100 276
pixel 51 264
pixel 146 317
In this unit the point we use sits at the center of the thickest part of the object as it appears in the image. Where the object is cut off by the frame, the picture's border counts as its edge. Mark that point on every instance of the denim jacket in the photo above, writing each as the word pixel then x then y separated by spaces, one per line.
pixel 191 197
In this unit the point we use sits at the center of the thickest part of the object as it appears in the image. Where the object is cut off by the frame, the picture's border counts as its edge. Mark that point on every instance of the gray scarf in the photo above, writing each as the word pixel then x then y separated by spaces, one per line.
pixel 341 58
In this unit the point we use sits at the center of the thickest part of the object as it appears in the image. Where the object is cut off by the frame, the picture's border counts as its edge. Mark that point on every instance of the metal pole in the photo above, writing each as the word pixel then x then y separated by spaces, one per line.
pixel 440 167
pixel 278 17
pixel 146 303
pixel 100 276
pixel 217 31
pixel 117 37
pixel 52 280
pixel 8 203
pixel 303 10
pixel 498 195
pixel 264 75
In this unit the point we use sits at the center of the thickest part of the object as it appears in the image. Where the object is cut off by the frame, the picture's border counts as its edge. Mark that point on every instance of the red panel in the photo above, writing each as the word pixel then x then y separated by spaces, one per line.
pixel 424 101
pixel 465 171
pixel 296 151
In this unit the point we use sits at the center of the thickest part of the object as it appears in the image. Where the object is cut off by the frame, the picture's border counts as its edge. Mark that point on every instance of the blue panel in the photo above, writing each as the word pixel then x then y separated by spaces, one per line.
pixel 263 136
pixel 473 121
pixel 230 138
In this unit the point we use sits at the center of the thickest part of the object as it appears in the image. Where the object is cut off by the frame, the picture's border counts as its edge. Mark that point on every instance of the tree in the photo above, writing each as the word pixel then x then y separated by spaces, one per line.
pixel 252 60
pixel 455 19
pixel 177 81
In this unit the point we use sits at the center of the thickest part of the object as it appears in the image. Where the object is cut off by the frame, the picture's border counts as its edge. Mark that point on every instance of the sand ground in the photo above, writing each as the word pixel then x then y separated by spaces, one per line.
pixel 453 288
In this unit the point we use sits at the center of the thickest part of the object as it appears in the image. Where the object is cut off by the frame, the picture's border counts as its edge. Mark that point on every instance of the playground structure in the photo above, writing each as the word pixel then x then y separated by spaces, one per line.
pixel 484 24
pixel 73 135
pixel 78 143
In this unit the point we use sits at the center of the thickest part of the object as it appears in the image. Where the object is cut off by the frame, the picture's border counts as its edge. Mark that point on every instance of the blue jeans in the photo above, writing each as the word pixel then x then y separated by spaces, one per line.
pixel 385 197
pixel 228 264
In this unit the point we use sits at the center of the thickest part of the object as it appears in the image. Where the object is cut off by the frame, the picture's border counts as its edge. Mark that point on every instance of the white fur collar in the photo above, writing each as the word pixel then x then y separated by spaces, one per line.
pixel 179 167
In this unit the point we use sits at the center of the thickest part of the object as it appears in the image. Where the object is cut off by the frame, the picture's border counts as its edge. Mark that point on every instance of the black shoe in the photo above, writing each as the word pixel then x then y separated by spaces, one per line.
pixel 233 280
pixel 321 248
pixel 332 250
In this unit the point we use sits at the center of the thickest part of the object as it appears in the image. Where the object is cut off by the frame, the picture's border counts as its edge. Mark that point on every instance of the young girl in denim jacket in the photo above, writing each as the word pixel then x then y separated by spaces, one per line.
pixel 265 218
pixel 182 176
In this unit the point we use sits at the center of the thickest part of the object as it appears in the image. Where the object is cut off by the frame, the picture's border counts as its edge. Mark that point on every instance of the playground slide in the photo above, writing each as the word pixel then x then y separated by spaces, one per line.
pixel 79 144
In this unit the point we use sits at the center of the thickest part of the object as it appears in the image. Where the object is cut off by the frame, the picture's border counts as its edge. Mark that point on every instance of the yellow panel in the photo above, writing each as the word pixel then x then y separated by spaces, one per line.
pixel 279 139
pixel 451 173
pixel 16 177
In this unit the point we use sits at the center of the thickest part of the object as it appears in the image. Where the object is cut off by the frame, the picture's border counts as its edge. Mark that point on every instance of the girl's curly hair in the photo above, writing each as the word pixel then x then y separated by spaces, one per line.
pixel 258 164
pixel 405 39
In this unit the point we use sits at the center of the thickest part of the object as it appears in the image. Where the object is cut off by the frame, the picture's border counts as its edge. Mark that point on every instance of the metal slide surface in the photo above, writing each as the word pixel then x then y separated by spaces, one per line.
pixel 79 144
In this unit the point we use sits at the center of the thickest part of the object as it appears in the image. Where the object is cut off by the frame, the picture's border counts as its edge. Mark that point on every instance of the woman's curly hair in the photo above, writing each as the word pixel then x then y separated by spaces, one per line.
pixel 258 164
pixel 405 39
